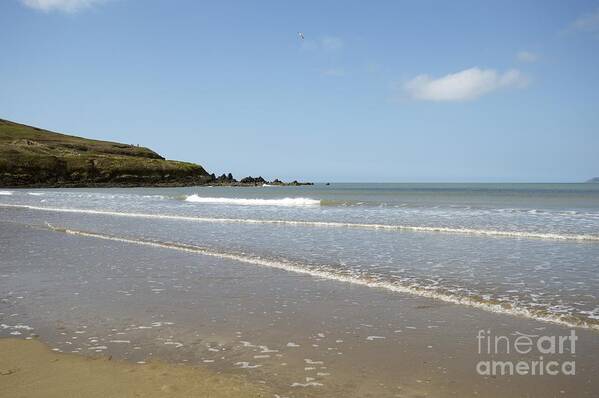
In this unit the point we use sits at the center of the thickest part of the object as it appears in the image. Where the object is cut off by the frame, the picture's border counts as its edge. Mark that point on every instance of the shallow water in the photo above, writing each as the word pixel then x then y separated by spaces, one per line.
pixel 299 335
pixel 527 249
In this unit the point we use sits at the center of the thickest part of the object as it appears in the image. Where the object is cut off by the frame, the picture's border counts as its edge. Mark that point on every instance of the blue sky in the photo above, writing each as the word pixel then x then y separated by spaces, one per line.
pixel 379 91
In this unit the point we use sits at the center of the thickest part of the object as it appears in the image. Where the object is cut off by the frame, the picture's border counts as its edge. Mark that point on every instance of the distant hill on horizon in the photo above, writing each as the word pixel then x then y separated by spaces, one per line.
pixel 34 157
pixel 594 180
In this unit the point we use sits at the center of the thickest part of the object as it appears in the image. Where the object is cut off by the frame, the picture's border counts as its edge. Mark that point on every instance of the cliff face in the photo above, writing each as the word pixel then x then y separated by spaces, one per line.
pixel 31 157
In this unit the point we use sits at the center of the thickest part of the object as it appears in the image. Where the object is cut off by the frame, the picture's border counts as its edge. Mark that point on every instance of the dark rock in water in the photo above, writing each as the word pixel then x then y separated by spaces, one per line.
pixel 225 179
pixel 296 183
pixel 252 180
pixel 328 183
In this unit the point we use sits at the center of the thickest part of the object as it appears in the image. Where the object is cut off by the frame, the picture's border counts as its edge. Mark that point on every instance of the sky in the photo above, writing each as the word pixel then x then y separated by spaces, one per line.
pixel 384 91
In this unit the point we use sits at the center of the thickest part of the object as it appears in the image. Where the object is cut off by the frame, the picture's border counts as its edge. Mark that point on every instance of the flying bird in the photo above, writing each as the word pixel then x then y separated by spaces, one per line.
pixel 300 35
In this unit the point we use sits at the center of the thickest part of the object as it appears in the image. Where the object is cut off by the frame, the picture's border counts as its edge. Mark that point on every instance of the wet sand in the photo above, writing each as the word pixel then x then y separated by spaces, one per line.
pixel 295 335
pixel 30 369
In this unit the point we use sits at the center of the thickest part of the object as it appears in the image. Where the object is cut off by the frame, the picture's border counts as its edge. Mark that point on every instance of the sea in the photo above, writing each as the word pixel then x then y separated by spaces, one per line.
pixel 530 250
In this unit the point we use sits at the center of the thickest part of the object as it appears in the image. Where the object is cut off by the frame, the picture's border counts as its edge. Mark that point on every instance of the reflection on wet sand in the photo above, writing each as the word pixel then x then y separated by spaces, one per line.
pixel 294 334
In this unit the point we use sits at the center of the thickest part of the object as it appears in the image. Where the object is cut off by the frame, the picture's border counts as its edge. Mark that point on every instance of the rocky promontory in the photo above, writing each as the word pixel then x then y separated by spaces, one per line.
pixel 33 157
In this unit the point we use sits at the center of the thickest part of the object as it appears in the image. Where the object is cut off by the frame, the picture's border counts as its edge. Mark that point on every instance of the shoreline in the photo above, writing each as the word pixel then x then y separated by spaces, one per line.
pixel 297 335
pixel 328 272
pixel 473 302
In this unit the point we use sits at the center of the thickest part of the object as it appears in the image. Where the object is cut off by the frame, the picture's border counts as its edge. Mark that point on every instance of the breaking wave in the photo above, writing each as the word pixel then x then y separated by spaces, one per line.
pixel 254 202
pixel 330 224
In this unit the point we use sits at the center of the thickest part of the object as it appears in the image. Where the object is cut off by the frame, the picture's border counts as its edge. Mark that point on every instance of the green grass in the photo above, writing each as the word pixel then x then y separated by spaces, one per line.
pixel 30 156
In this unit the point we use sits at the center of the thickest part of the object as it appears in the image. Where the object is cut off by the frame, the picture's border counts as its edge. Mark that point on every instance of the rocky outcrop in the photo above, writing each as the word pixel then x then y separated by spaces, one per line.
pixel 251 181
pixel 224 179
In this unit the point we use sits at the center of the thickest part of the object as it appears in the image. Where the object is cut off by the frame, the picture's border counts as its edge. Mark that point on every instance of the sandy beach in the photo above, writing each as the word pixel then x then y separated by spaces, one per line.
pixel 250 328
pixel 336 199
pixel 30 369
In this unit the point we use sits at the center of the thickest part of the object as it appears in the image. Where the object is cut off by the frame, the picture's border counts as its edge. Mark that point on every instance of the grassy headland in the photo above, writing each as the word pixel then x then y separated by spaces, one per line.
pixel 33 157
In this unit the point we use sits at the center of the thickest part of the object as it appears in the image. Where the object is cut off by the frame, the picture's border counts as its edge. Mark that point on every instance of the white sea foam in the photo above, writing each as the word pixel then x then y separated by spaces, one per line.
pixel 6 193
pixel 324 273
pixel 307 384
pixel 19 326
pixel 329 224
pixel 246 365
pixel 254 202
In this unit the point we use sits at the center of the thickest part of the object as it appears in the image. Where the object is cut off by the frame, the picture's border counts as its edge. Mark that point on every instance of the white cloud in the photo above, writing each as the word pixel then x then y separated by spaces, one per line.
pixel 588 22
pixel 59 5
pixel 527 56
pixel 465 85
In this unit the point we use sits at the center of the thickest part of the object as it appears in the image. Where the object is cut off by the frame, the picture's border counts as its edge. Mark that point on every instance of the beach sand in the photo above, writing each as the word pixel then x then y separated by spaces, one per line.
pixel 291 335
pixel 30 369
